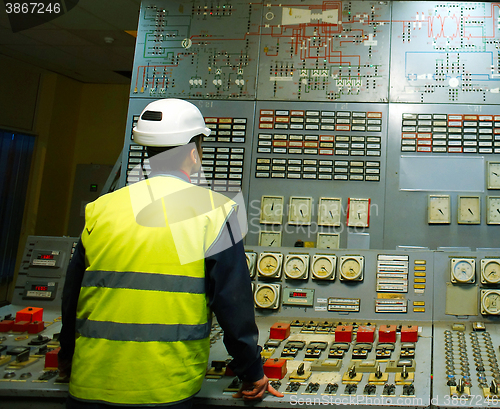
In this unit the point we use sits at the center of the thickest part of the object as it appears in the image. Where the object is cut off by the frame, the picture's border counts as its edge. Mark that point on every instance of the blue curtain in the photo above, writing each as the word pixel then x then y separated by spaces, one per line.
pixel 15 161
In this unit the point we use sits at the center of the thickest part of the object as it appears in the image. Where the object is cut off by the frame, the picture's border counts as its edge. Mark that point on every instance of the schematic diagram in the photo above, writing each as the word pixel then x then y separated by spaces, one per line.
pixel 320 51
pixel 445 52
pixel 197 49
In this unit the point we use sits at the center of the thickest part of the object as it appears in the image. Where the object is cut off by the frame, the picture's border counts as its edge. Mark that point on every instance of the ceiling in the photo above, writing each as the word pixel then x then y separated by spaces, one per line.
pixel 74 44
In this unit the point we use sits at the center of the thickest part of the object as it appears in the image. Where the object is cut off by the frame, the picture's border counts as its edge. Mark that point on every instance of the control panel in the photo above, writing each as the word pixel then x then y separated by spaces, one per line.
pixel 30 326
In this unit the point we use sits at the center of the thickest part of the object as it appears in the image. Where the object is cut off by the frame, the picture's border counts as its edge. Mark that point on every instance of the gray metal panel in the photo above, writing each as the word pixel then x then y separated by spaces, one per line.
pixel 43 275
pixel 364 290
pixel 406 211
pixel 317 187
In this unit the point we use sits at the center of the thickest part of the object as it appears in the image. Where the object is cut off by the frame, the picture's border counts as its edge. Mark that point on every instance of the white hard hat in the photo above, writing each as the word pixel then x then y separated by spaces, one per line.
pixel 169 122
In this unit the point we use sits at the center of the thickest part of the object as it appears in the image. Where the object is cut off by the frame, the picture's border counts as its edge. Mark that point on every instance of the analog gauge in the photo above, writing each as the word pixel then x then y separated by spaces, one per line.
pixel 267 296
pixel 463 270
pixel 296 266
pixel 493 210
pixel 251 258
pixel 358 212
pixel 490 302
pixel 271 210
pixel 351 268
pixel 300 210
pixel 490 271
pixel 269 265
pixel 329 211
pixel 469 210
pixel 328 241
pixel 270 238
pixel 493 175
pixel 323 267
pixel 438 209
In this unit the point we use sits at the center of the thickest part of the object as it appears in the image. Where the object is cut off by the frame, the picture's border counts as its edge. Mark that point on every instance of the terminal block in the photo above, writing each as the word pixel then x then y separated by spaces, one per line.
pixel 309 328
pixel 292 348
pixel 384 350
pixel 361 351
pixel 331 389
pixel 314 349
pixel 312 387
pixel 389 389
pixel 369 389
pixel 409 390
pixel 324 328
pixel 292 387
pixel 407 350
pixel 338 350
pixel 350 389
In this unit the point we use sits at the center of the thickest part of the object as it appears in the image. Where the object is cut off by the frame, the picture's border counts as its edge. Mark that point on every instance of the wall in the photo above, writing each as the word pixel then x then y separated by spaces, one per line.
pixel 73 123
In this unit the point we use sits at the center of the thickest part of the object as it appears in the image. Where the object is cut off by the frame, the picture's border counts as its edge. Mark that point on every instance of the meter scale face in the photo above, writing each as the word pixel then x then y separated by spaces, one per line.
pixel 351 268
pixel 490 271
pixel 269 265
pixel 462 270
pixel 323 267
pixel 490 302
pixel 267 296
pixel 295 266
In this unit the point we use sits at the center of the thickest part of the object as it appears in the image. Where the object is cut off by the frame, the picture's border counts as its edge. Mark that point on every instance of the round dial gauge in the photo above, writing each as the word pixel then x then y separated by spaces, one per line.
pixel 462 270
pixel 269 265
pixel 490 271
pixel 490 302
pixel 350 268
pixel 322 268
pixel 295 267
pixel 266 296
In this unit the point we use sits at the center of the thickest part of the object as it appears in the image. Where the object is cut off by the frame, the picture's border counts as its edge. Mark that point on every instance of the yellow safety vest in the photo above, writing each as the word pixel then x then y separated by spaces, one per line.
pixel 143 323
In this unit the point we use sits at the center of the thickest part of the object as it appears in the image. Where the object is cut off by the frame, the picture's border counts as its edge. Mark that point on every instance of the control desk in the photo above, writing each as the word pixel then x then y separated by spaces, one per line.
pixel 375 328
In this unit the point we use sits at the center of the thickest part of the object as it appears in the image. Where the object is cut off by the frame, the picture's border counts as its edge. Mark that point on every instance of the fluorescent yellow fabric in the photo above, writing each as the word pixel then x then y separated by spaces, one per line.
pixel 145 345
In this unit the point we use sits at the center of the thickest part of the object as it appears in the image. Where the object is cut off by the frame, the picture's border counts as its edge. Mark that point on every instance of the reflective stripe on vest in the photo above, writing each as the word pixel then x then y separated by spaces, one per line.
pixel 144 281
pixel 115 331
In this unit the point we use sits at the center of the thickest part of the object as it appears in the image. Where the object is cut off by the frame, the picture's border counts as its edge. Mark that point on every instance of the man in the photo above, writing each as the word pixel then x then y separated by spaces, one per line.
pixel 154 259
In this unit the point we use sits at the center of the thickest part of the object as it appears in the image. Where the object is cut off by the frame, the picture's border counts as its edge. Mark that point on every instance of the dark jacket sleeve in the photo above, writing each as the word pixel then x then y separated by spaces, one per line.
pixel 230 297
pixel 71 292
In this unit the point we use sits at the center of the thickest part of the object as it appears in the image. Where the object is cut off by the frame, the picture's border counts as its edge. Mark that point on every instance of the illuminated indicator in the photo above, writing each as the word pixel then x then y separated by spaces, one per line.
pixel 46 257
pixel 297 294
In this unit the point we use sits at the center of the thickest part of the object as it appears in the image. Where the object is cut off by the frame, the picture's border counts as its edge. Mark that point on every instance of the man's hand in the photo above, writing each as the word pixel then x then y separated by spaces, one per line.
pixel 255 390
pixel 64 371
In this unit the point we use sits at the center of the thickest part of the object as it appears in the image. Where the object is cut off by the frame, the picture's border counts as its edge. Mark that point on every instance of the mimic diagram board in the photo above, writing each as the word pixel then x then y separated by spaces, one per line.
pixel 445 52
pixel 197 49
pixel 324 50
